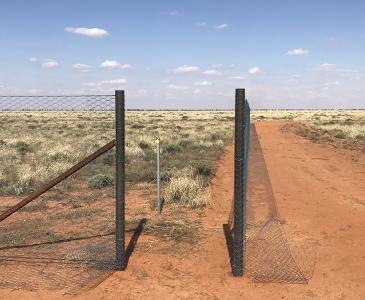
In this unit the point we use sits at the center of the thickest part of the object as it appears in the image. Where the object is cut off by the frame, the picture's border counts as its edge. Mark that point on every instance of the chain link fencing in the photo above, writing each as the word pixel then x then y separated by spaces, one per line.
pixel 267 254
pixel 64 239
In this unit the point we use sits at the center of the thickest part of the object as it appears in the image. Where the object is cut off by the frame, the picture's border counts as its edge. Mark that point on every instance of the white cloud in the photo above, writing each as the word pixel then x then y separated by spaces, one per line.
pixel 212 72
pixel 33 59
pixel 332 83
pixel 185 69
pixel 178 87
pixel 333 69
pixel 81 67
pixel 90 32
pixel 110 64
pixel 114 64
pixel 326 67
pixel 120 81
pixel 92 84
pixel 294 77
pixel 202 24
pixel 50 64
pixel 114 81
pixel 298 52
pixel 254 70
pixel 175 13
pixel 197 92
pixel 236 77
pixel 126 66
pixel 203 83
pixel 222 26
pixel 217 66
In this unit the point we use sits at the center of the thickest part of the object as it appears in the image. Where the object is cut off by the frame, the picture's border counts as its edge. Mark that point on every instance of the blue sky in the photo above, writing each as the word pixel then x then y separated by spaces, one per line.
pixel 187 54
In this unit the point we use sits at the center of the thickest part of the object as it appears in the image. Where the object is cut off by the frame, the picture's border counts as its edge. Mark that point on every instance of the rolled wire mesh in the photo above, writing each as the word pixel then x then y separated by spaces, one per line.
pixel 268 255
pixel 64 239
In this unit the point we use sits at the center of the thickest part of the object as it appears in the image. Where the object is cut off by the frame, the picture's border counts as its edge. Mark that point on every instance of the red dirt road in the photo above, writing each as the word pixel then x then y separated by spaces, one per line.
pixel 320 193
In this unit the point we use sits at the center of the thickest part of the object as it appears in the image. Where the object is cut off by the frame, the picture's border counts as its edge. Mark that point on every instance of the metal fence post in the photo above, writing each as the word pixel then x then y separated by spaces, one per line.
pixel 238 238
pixel 120 180
pixel 246 150
pixel 159 204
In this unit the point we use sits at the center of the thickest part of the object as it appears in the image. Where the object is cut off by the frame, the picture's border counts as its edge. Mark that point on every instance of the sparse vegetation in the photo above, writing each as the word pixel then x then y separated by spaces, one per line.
pixel 99 181
pixel 187 189
pixel 323 126
pixel 60 139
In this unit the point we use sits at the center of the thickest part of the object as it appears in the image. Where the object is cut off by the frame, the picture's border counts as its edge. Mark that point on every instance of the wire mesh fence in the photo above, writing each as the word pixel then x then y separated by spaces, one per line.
pixel 267 253
pixel 65 238
pixel 57 103
pixel 69 232
pixel 270 256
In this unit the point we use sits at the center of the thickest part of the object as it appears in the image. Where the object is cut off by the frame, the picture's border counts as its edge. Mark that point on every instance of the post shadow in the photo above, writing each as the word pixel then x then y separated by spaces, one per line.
pixel 229 242
pixel 133 241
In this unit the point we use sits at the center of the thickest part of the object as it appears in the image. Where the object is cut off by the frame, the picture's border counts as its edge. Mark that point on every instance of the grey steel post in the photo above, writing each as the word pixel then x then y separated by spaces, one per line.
pixel 159 204
pixel 238 238
pixel 120 180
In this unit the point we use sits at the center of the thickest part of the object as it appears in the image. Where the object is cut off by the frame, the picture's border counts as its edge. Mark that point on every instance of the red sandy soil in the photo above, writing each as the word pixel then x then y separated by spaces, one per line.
pixel 320 193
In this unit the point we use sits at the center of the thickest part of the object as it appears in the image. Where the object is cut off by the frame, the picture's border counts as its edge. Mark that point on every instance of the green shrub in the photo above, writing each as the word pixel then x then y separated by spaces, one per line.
pixel 172 148
pixel 204 168
pixel 360 137
pixel 185 142
pixel 59 156
pixel 22 147
pixel 214 136
pixel 137 126
pixel 143 145
pixel 340 135
pixel 99 181
pixel 166 175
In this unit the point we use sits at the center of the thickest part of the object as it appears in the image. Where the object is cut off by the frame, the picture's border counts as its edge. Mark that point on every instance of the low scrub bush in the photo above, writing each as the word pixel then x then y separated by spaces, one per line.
pixel 137 126
pixel 60 156
pixel 204 168
pixel 100 181
pixel 185 142
pixel 187 190
pixel 143 145
pixel 340 135
pixel 172 148
pixel 22 147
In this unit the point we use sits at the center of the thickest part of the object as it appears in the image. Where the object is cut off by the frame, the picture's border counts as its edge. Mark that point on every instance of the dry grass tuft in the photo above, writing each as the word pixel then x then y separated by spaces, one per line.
pixel 187 189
